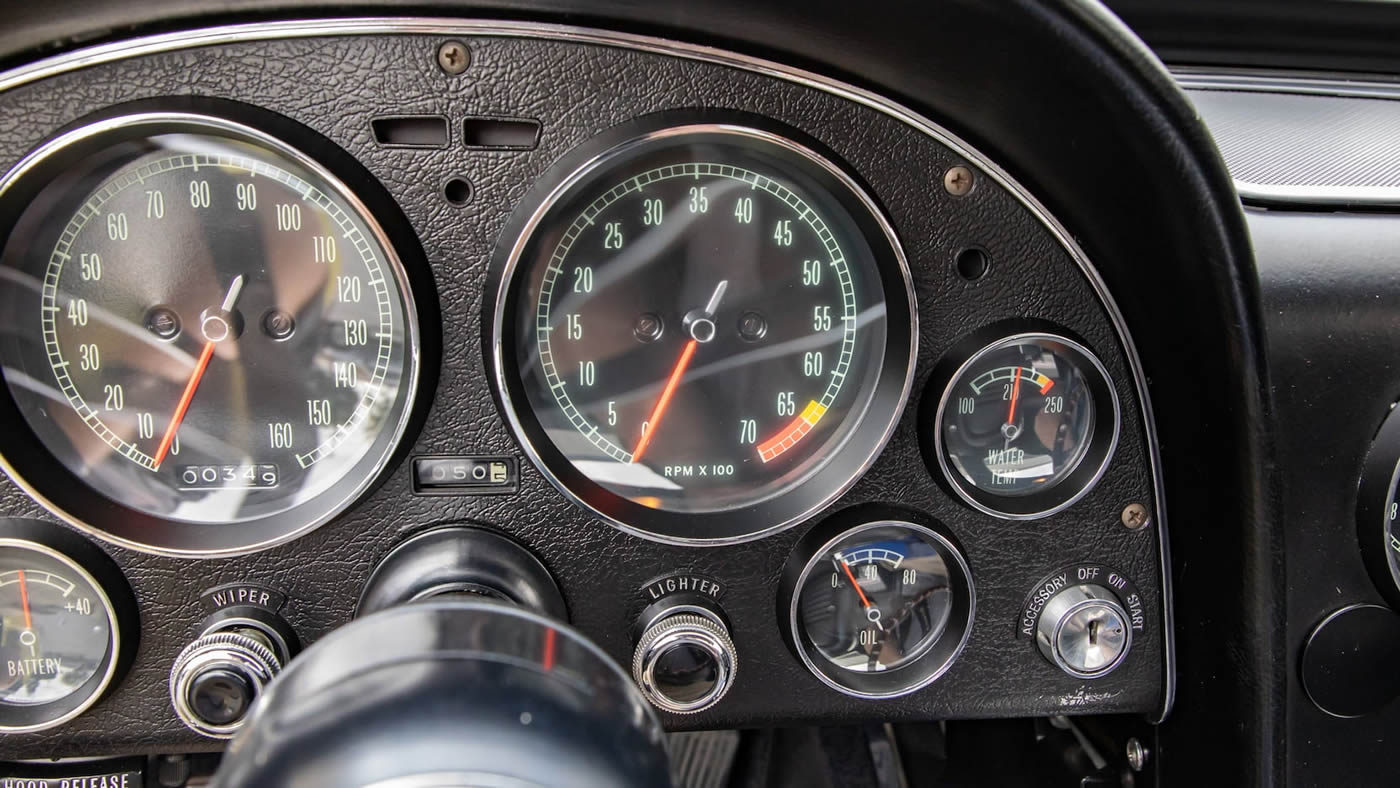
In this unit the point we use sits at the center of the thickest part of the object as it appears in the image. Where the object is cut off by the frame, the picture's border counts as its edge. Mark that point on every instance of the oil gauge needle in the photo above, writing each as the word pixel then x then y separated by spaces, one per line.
pixel 871 612
pixel 234 289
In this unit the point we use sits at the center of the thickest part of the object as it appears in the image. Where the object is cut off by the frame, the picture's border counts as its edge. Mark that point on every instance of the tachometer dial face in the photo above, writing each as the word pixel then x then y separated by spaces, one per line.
pixel 205 326
pixel 700 324
pixel 881 608
pixel 1026 425
pixel 1378 509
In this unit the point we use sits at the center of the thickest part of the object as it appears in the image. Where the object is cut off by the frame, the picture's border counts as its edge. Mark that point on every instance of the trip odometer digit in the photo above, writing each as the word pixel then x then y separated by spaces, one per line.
pixel 203 325
pixel 701 321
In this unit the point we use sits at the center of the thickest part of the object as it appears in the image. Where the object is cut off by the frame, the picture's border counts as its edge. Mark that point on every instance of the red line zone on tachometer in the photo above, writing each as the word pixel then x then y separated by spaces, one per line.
pixel 793 432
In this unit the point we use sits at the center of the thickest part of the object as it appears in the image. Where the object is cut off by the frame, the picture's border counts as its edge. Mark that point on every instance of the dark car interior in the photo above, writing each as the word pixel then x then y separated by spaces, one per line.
pixel 714 394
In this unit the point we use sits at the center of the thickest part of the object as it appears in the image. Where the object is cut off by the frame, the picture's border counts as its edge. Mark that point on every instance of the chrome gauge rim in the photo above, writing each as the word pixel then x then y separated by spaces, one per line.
pixel 508 300
pixel 192 543
pixel 114 641
pixel 1067 490
pixel 919 673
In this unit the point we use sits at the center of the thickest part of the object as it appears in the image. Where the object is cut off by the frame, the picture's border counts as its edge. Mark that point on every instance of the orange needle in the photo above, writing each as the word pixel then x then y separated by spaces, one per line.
pixel 24 600
pixel 234 289
pixel 1015 394
pixel 665 399
pixel 185 399
pixel 854 584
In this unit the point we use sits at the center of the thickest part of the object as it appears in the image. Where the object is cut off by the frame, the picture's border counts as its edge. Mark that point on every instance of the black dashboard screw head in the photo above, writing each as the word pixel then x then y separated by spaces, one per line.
pixel 958 180
pixel 453 57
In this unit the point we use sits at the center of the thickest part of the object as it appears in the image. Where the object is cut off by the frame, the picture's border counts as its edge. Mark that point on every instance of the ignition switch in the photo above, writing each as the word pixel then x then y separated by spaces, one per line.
pixel 1084 619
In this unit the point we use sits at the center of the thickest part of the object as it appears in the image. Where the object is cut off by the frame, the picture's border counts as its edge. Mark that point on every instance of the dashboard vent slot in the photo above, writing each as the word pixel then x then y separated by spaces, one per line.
pixel 501 133
pixel 411 131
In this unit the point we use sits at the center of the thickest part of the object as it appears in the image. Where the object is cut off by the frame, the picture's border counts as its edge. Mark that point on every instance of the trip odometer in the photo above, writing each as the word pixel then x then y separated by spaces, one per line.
pixel 203 325
pixel 705 332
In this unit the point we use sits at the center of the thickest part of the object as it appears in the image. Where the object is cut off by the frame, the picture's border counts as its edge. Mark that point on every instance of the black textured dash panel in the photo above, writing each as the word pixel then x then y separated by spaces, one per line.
pixel 577 90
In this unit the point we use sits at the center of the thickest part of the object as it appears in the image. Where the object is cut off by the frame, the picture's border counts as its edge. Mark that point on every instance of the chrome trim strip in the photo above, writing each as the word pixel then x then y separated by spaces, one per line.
pixel 1298 85
pixel 166 42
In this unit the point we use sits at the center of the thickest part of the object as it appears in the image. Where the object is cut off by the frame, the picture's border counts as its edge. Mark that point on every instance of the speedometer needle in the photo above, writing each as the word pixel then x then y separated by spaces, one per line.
pixel 701 325
pixel 234 289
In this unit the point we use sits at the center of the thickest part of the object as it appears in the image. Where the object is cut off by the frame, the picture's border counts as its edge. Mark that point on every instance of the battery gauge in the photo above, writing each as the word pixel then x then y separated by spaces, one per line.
pixel 62 640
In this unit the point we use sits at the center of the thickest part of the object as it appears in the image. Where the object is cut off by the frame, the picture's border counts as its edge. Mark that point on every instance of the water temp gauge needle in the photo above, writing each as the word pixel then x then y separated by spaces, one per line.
pixel 234 289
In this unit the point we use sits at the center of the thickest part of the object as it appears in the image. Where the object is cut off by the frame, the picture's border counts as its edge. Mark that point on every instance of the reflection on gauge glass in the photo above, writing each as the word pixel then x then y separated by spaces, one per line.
pixel 703 321
pixel 59 633
pixel 202 325
pixel 1026 424
pixel 882 608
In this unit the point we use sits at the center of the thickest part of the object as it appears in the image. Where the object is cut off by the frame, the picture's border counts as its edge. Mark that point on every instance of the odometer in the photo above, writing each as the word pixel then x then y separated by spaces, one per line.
pixel 699 323
pixel 205 326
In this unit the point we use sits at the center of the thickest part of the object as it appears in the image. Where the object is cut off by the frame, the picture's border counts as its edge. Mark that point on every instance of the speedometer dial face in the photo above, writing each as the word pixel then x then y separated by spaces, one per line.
pixel 700 323
pixel 206 327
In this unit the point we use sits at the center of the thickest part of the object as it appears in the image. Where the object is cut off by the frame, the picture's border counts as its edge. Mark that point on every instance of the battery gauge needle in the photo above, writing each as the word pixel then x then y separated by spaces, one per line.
pixel 216 329
pixel 24 600
pixel 701 325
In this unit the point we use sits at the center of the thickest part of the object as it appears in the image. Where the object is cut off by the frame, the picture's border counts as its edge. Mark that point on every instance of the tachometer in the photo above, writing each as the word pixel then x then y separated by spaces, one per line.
pixel 705 332
pixel 203 325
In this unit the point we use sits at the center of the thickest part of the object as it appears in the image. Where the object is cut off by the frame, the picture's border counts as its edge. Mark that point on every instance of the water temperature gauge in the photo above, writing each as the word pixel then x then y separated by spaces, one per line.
pixel 60 633
pixel 1026 425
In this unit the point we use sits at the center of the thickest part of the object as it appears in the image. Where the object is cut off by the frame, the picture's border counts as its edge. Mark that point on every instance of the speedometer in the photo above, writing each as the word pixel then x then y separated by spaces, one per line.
pixel 705 331
pixel 203 325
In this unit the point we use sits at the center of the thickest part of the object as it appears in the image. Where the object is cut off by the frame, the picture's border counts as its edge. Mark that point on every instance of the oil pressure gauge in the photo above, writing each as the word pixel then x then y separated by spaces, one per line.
pixel 1026 424
pixel 66 625
pixel 878 607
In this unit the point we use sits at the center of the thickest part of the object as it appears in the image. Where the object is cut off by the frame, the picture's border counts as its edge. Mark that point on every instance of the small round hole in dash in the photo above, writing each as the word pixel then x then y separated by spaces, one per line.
pixel 457 191
pixel 973 264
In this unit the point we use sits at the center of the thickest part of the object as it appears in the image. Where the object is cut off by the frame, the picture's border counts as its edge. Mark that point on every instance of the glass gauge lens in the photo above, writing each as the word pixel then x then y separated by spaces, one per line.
pixel 55 631
pixel 204 326
pixel 882 601
pixel 1378 509
pixel 702 322
pixel 880 608
pixel 1022 417
pixel 59 632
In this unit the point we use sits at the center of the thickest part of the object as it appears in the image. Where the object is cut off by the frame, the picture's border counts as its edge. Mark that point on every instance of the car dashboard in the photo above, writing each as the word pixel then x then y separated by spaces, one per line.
pixel 754 372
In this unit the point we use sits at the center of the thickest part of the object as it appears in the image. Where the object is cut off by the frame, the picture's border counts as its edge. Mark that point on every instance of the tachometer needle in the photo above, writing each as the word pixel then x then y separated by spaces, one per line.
pixel 660 408
pixel 695 320
pixel 24 600
pixel 234 289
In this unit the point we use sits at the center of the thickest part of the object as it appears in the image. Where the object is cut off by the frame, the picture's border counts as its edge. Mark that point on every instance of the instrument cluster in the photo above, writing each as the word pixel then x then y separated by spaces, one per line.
pixel 777 356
